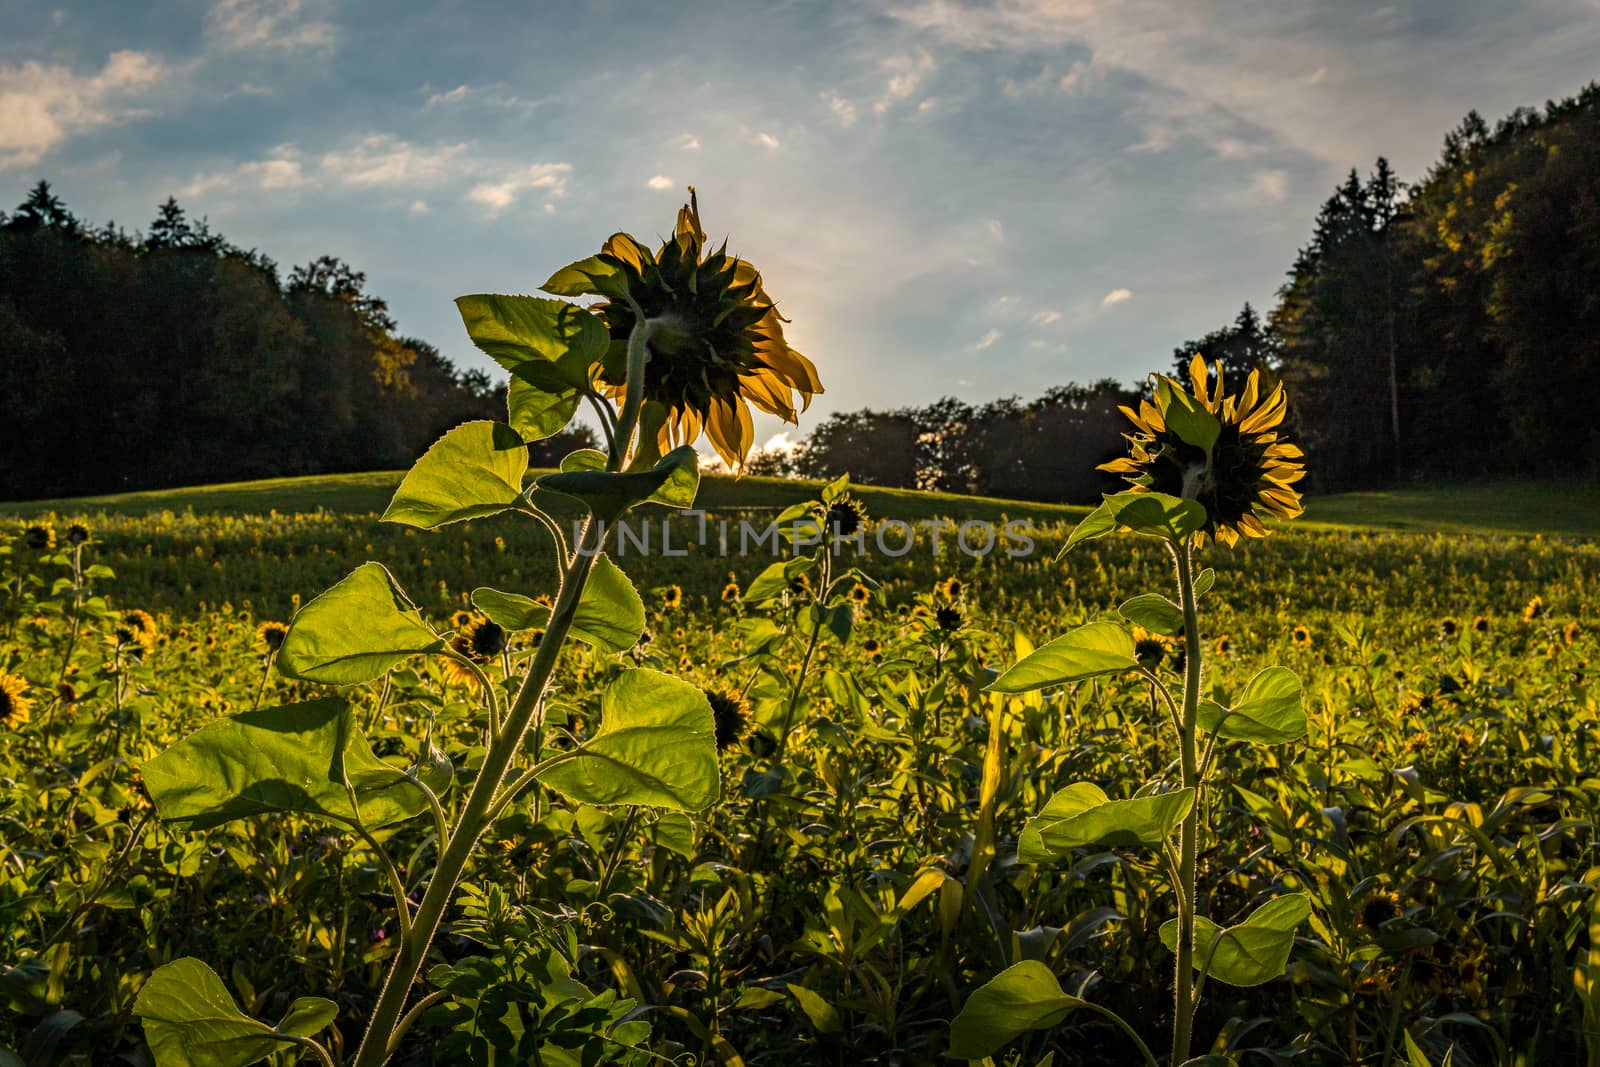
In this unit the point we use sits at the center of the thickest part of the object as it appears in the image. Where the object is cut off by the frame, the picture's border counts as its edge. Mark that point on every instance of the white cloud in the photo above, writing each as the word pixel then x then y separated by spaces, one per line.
pixel 497 95
pixel 766 140
pixel 496 196
pixel 660 181
pixel 279 25
pixel 382 159
pixel 687 142
pixel 1045 318
pixel 1270 185
pixel 420 207
pixel 986 340
pixel 281 171
pixel 1236 148
pixel 42 106
pixel 905 78
pixel 1116 296
pixel 780 442
pixel 997 229
pixel 453 96
pixel 842 109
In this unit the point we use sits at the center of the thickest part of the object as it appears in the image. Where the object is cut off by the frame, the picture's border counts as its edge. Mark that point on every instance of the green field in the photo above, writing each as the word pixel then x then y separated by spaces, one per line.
pixel 840 902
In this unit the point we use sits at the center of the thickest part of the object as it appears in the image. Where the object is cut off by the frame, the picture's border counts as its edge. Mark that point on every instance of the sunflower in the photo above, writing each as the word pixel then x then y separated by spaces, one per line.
pixel 1149 649
pixel 77 534
pixel 138 627
pixel 1300 636
pixel 271 634
pixel 948 619
pixel 844 517
pixel 671 597
pixel 716 339
pixel 1480 624
pixel 15 707
pixel 1569 633
pixel 1380 906
pixel 951 588
pixel 1246 472
pixel 1533 609
pixel 731 714
pixel 1448 627
pixel 40 538
pixel 872 647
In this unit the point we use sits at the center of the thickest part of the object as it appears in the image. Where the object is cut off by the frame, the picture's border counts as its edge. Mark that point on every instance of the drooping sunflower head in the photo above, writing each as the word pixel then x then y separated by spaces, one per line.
pixel 1533 609
pixel 716 339
pixel 40 538
pixel 1222 450
pixel 138 627
pixel 731 714
pixel 15 707
pixel 271 634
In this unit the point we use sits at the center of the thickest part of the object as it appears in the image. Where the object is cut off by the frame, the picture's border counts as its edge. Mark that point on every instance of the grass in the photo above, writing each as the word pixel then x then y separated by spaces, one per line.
pixel 1565 508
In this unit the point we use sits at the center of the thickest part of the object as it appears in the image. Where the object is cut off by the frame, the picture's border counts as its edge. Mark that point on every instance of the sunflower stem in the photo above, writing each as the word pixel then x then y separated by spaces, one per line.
pixel 633 397
pixel 1184 987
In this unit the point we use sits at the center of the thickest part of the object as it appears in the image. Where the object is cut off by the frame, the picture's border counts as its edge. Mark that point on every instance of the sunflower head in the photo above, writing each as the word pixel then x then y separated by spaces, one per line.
pixel 271 634
pixel 731 714
pixel 138 627
pixel 77 534
pixel 1533 609
pixel 731 593
pixel 1222 450
pixel 1300 636
pixel 40 538
pixel 844 517
pixel 1380 906
pixel 716 339
pixel 15 707
pixel 671 597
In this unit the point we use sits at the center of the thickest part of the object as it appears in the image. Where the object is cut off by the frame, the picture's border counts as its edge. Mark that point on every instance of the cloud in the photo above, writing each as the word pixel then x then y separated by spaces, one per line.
pixel 1045 318
pixel 266 25
pixel 687 142
pixel 1270 185
pixel 453 96
pixel 997 229
pixel 41 106
pixel 905 78
pixel 281 171
pixel 780 442
pixel 382 159
pixel 497 95
pixel 987 339
pixel 1116 296
pixel 660 181
pixel 497 196
pixel 420 207
pixel 842 109
pixel 766 140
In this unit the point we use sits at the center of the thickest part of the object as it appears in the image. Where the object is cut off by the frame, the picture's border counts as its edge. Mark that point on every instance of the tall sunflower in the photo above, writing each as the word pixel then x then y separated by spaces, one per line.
pixel 716 339
pixel 15 707
pixel 1247 471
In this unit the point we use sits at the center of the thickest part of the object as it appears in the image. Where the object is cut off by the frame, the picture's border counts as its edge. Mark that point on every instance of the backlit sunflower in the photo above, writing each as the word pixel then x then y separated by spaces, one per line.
pixel 15 707
pixel 1247 471
pixel 716 339
pixel 271 634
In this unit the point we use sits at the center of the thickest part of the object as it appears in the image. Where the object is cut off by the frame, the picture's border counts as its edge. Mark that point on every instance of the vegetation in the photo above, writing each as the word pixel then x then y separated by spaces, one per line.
pixel 486 798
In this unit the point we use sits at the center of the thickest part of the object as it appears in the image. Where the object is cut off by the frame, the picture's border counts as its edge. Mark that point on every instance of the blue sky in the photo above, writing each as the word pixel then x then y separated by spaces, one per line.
pixel 970 199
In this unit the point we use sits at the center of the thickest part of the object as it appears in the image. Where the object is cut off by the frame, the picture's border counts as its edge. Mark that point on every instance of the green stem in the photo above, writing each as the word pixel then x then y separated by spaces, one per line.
pixel 1188 841
pixel 375 1046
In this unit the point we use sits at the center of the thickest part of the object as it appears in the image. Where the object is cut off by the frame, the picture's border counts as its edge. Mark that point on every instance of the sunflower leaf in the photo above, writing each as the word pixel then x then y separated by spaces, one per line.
pixel 608 494
pixel 355 631
pixel 1081 816
pixel 474 470
pixel 1023 997
pixel 550 344
pixel 1250 953
pixel 1270 711
pixel 1094 649
pixel 610 613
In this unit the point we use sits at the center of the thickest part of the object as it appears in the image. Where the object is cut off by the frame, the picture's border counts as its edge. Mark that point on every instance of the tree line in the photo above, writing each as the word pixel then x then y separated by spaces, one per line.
pixel 1445 329
pixel 172 357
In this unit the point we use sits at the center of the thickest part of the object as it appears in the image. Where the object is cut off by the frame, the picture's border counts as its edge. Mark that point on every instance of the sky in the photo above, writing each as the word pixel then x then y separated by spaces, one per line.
pixel 946 199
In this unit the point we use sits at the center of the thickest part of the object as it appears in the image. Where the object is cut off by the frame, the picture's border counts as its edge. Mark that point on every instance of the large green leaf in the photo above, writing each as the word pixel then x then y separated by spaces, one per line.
pixel 476 469
pixel 1252 953
pixel 1090 650
pixel 608 494
pixel 536 413
pixel 510 611
pixel 610 613
pixel 355 631
pixel 1270 711
pixel 1154 612
pixel 1082 815
pixel 190 1020
pixel 656 746
pixel 1023 997
pixel 1157 514
pixel 550 344
pixel 297 757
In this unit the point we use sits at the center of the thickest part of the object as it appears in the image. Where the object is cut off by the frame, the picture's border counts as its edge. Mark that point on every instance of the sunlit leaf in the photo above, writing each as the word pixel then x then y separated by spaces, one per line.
pixel 1094 649
pixel 608 494
pixel 190 1020
pixel 1023 997
pixel 1251 953
pixel 297 757
pixel 476 469
pixel 550 344
pixel 1154 612
pixel 536 413
pixel 1081 815
pixel 510 611
pixel 656 747
pixel 610 613
pixel 1270 711
pixel 355 631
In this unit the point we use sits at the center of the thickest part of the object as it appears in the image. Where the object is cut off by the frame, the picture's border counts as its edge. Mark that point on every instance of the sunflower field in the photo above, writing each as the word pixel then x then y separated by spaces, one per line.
pixel 469 783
